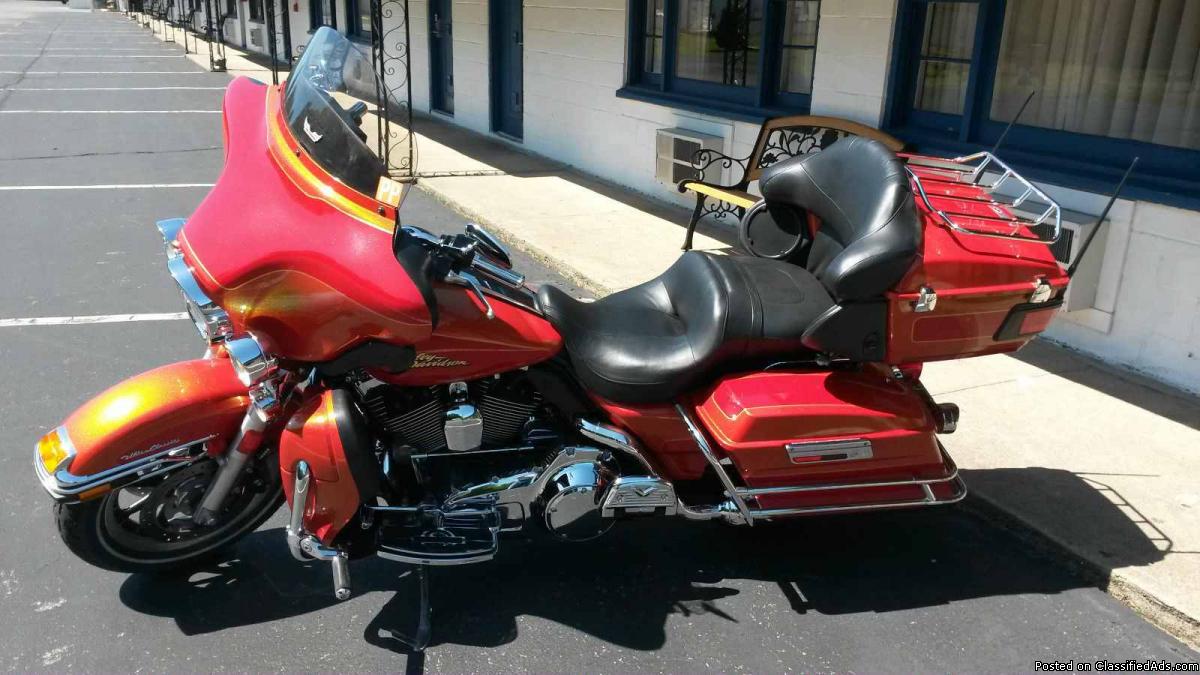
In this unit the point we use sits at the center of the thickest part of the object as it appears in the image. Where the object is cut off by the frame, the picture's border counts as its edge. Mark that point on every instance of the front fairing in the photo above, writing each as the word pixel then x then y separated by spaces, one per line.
pixel 292 254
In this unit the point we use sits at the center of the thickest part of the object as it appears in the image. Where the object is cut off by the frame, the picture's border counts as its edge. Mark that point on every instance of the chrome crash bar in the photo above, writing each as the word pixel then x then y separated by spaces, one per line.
pixel 740 505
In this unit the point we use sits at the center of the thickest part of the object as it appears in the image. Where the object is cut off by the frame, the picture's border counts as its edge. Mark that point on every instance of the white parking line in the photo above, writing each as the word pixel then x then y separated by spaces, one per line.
pixel 98 56
pixel 104 72
pixel 130 186
pixel 148 50
pixel 100 318
pixel 110 88
pixel 110 112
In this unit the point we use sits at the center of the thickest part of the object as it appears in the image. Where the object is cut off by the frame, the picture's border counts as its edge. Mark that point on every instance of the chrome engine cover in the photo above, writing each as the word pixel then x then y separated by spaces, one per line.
pixel 570 504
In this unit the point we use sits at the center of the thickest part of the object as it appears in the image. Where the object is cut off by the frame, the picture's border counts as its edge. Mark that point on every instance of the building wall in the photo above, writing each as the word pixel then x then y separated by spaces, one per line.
pixel 854 44
pixel 1147 309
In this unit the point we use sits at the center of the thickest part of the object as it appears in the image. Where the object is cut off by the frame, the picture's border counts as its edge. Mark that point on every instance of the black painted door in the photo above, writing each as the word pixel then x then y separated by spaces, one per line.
pixel 507 40
pixel 441 56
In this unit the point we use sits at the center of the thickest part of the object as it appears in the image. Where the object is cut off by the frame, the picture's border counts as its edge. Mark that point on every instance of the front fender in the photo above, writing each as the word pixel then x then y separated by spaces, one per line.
pixel 138 425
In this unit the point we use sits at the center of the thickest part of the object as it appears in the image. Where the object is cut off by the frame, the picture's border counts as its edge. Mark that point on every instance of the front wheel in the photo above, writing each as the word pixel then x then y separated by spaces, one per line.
pixel 147 527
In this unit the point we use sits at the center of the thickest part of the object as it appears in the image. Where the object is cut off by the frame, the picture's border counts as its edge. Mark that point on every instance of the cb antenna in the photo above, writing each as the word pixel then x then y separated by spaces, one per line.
pixel 1100 221
pixel 1000 141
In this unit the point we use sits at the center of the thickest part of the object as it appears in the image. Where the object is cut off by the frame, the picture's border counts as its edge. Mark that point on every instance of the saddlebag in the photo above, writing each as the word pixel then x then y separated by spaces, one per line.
pixel 821 441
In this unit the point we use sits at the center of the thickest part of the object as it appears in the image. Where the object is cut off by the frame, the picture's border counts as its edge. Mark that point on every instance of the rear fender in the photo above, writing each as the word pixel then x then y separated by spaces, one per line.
pixel 142 424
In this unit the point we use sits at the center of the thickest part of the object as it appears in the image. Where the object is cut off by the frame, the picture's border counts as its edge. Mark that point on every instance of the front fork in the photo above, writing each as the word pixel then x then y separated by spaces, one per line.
pixel 243 446
pixel 258 371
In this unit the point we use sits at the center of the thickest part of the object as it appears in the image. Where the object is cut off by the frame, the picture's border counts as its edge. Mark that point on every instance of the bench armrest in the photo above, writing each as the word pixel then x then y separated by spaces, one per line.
pixel 705 158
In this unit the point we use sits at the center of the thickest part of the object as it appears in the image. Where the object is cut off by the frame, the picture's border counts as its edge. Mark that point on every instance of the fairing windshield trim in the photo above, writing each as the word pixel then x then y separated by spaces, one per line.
pixel 312 180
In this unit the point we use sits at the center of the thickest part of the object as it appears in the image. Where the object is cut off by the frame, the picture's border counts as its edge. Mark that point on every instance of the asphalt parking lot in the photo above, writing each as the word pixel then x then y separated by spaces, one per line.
pixel 82 181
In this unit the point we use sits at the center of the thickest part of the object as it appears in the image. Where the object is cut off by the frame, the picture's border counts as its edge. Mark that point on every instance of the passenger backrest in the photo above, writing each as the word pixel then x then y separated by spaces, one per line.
pixel 870 232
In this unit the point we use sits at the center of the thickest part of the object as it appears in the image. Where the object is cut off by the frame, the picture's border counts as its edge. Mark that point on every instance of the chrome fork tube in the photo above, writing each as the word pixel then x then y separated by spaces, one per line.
pixel 253 425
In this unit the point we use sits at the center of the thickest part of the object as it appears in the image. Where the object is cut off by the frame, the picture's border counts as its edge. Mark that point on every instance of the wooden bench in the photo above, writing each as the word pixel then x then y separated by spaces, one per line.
pixel 779 139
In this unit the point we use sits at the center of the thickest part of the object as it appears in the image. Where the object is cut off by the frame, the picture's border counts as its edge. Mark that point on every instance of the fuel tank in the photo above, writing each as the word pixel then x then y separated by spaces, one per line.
pixel 467 345
pixel 291 253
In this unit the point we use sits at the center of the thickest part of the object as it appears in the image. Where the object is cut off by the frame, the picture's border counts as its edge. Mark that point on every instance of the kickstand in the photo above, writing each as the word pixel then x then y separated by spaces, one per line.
pixel 419 640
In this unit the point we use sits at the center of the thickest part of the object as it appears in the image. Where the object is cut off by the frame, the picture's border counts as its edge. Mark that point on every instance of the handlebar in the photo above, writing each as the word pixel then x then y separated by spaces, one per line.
pixel 461 256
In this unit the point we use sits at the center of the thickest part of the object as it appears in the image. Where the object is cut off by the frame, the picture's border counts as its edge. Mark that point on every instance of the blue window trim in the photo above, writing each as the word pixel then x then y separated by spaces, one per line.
pixel 1165 174
pixel 354 30
pixel 744 103
pixel 316 15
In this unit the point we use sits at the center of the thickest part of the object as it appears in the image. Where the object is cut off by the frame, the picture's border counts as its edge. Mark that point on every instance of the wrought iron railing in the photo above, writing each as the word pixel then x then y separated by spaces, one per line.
pixel 390 55
pixel 279 37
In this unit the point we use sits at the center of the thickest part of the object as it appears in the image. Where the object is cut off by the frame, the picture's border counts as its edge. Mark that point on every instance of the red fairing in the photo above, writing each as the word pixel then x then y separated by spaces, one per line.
pixel 978 279
pixel 312 435
pixel 287 264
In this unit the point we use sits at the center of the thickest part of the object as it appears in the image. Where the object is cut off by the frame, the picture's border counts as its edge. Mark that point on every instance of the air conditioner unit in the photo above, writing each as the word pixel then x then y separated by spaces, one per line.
pixel 256 37
pixel 675 149
pixel 1081 294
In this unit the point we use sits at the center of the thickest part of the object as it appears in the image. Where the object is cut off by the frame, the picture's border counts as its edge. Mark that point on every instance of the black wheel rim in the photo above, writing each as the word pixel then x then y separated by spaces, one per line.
pixel 151 523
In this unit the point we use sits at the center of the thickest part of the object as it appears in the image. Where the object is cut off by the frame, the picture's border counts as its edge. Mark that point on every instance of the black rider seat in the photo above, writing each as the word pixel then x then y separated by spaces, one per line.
pixel 656 340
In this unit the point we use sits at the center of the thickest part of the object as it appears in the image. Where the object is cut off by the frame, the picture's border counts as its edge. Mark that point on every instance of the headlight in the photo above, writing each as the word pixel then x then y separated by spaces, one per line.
pixel 252 365
pixel 212 321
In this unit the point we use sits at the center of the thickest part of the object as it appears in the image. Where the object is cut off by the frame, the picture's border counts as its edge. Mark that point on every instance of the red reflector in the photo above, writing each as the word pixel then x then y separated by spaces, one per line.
pixel 1036 322
pixel 953 327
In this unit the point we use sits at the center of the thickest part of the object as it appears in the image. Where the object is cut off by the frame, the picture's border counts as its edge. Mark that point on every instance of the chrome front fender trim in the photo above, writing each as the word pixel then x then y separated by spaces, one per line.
pixel 66 486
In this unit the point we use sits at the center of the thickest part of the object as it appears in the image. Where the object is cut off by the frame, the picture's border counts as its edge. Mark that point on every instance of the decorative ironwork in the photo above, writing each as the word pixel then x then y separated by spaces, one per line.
pixel 187 24
pixel 214 35
pixel 279 37
pixel 780 144
pixel 390 57
pixel 788 142
pixel 719 209
pixel 706 158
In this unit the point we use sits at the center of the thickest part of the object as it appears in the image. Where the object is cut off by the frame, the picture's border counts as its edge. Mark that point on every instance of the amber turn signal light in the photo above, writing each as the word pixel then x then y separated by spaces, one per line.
pixel 52 452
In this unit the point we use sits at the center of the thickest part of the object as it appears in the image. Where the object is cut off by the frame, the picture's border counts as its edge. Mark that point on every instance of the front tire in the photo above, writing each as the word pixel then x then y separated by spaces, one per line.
pixel 146 527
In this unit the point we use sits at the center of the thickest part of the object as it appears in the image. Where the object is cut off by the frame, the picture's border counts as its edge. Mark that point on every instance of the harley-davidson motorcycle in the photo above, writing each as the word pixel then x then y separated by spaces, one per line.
pixel 410 397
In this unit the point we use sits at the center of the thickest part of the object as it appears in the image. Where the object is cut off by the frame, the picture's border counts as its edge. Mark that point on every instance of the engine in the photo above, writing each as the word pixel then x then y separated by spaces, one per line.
pixel 465 461
pixel 495 412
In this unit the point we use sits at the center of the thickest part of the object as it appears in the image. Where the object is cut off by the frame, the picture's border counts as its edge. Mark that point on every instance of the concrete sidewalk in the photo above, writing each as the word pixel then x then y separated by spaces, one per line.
pixel 1094 463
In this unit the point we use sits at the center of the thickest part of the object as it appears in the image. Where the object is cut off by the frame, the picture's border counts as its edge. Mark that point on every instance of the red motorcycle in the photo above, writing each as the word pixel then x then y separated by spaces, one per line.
pixel 410 397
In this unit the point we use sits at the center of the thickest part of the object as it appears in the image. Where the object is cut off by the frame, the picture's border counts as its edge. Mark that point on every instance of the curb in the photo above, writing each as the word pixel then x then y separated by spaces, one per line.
pixel 515 240
pixel 1151 608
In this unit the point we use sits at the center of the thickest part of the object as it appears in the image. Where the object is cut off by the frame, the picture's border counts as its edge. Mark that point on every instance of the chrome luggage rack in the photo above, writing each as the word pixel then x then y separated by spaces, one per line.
pixel 988 173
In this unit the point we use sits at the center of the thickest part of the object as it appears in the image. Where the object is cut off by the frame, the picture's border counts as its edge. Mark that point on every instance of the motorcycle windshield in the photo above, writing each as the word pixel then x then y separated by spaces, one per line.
pixel 331 78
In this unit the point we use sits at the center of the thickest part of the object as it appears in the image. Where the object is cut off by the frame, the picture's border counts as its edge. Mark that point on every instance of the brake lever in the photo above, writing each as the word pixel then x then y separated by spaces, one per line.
pixel 471 283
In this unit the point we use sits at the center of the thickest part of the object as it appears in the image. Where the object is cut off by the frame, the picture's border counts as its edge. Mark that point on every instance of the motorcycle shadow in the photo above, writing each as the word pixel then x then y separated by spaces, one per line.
pixel 624 587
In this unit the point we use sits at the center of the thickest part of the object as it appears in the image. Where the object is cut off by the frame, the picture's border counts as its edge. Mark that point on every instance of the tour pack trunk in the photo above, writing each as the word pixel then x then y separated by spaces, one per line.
pixel 986 280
